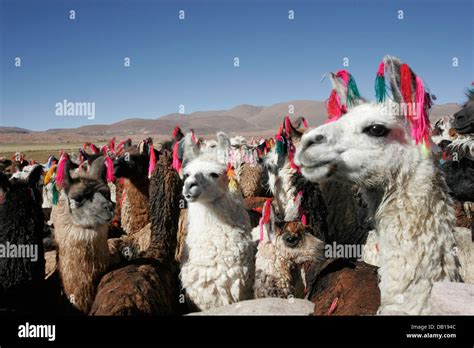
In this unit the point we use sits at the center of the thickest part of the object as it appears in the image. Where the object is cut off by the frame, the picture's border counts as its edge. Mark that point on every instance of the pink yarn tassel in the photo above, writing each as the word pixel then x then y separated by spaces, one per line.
pixel 176 162
pixel 344 75
pixel 94 149
pixel 305 123
pixel 381 70
pixel 151 166
pixel 420 124
pixel 60 171
pixel 110 169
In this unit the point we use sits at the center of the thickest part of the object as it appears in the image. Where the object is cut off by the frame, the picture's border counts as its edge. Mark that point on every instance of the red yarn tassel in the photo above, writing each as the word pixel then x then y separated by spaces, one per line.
pixel 110 169
pixel 406 88
pixel 287 126
pixel 60 171
pixel 333 107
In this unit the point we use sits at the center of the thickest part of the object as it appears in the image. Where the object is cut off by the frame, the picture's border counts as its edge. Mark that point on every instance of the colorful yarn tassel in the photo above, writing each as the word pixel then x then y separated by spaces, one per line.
pixel 55 194
pixel 176 161
pixel 333 107
pixel 60 171
pixel 110 169
pixel 152 163
pixel 352 91
pixel 380 91
pixel 305 123
pixel 406 88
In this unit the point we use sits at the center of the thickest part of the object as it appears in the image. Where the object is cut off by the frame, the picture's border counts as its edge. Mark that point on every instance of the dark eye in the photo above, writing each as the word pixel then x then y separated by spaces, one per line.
pixel 291 241
pixel 185 177
pixel 377 130
pixel 215 175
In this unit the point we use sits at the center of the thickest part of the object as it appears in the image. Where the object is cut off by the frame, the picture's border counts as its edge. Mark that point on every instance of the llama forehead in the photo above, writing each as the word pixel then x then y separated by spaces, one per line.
pixel 203 165
pixel 365 115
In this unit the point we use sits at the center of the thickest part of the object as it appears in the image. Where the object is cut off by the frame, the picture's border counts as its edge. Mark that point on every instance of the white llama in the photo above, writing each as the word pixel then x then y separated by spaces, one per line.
pixel 414 220
pixel 218 260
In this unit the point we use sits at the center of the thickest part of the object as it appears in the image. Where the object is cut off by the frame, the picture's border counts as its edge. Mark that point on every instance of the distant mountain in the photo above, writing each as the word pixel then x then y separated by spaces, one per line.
pixel 14 130
pixel 243 119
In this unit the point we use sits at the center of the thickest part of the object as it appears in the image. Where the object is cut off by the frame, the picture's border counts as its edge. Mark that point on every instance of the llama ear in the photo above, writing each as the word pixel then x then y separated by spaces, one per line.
pixel 344 94
pixel 191 149
pixel 98 170
pixel 223 147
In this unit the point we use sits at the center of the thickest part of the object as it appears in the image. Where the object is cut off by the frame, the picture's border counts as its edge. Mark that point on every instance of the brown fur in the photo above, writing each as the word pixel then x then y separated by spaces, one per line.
pixel 149 286
pixel 83 257
pixel 135 209
pixel 250 180
pixel 353 283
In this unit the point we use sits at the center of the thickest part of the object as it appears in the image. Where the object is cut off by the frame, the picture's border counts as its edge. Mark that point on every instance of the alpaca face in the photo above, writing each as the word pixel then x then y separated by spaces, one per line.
pixel 205 180
pixel 131 165
pixel 89 203
pixel 296 244
pixel 364 146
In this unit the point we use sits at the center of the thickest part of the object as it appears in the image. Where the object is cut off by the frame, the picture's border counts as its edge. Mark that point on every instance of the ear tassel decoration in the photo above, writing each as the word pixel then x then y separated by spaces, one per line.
pixel 176 161
pixel 60 171
pixel 291 155
pixel 265 219
pixel 287 126
pixel 152 162
pixel 49 174
pixel 380 92
pixel 305 123
pixel 406 88
pixel 110 169
pixel 352 91
pixel 333 107
pixel 421 123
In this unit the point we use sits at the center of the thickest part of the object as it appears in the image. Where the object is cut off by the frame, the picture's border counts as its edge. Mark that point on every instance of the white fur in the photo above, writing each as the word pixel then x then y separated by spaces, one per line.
pixel 218 261
pixel 414 221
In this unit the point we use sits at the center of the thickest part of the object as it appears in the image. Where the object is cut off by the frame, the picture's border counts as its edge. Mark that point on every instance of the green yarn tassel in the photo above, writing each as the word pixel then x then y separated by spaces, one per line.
pixel 280 147
pixel 380 91
pixel 55 194
pixel 352 91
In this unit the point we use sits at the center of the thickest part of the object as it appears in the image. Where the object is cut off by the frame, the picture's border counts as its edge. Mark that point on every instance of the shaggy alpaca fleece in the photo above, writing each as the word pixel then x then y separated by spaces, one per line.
pixel 83 256
pixel 218 261
pixel 274 276
pixel 415 202
pixel 465 252
pixel 250 179
pixel 135 206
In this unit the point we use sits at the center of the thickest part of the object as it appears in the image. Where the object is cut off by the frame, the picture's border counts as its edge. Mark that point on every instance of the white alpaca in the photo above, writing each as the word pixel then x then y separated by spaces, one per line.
pixel 218 261
pixel 414 220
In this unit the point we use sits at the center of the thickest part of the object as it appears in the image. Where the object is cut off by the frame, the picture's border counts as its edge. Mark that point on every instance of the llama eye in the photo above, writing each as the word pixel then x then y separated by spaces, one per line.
pixel 291 241
pixel 215 175
pixel 376 130
pixel 185 177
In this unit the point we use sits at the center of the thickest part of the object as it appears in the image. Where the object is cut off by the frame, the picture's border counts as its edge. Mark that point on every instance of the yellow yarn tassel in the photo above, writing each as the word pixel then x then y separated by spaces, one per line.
pixel 234 187
pixel 49 174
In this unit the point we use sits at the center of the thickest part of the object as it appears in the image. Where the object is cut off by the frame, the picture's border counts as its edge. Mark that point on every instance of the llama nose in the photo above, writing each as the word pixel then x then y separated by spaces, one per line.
pixel 316 139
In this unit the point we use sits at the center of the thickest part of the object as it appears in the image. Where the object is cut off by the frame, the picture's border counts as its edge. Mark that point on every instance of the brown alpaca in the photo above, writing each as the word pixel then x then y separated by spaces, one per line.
pixel 132 165
pixel 81 221
pixel 150 285
pixel 280 256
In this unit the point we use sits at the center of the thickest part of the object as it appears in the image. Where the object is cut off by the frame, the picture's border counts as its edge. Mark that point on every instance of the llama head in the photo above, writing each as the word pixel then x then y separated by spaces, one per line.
pixel 204 174
pixel 88 195
pixel 366 144
pixel 291 241
pixel 133 162
pixel 464 119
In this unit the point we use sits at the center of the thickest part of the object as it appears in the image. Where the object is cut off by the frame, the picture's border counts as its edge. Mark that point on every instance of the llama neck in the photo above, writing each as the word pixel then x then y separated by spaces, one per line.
pixel 83 257
pixel 273 275
pixel 137 197
pixel 415 223
pixel 227 209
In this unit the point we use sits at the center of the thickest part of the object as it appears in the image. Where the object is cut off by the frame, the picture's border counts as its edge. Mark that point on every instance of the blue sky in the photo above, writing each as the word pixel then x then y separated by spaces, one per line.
pixel 190 62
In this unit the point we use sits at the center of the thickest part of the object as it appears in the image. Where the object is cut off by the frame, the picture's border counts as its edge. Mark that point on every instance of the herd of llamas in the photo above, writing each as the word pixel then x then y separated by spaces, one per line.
pixel 190 225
